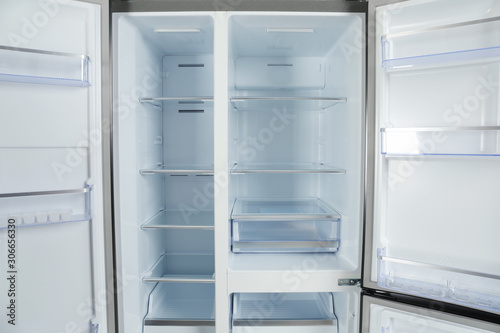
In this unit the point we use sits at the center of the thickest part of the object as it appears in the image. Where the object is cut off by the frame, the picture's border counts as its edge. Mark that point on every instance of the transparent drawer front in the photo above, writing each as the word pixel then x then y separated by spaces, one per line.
pixel 180 304
pixel 280 312
pixel 285 236
pixel 43 67
pixel 284 226
pixel 481 141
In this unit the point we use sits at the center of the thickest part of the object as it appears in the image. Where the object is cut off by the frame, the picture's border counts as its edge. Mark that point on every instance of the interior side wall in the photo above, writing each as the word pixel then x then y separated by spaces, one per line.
pixel 138 70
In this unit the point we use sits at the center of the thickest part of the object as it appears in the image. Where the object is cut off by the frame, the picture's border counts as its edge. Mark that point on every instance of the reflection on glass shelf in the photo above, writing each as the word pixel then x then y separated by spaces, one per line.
pixel 250 236
pixel 241 168
pixel 308 312
pixel 444 283
pixel 488 54
pixel 183 104
pixel 182 268
pixel 284 103
pixel 480 141
pixel 168 219
pixel 43 67
pixel 181 170
pixel 45 208
pixel 259 209
pixel 180 304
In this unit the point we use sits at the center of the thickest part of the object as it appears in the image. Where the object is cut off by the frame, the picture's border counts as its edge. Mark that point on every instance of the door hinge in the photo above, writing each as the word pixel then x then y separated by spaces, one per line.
pixel 350 282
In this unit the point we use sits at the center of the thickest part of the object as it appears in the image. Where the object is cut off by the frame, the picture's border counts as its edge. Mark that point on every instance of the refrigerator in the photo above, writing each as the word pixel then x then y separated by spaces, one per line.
pixel 247 166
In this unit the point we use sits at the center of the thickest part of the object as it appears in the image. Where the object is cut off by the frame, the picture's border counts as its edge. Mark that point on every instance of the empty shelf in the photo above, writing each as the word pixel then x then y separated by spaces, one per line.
pixel 203 220
pixel 307 310
pixel 182 268
pixel 480 141
pixel 242 168
pixel 44 67
pixel 311 209
pixel 181 170
pixel 183 104
pixel 284 103
pixel 178 304
pixel 45 208
pixel 449 284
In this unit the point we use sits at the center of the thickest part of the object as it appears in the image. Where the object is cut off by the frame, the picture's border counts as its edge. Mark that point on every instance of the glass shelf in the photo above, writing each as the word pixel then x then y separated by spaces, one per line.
pixel 309 311
pixel 444 283
pixel 167 219
pixel 46 208
pixel 284 103
pixel 44 67
pixel 242 168
pixel 193 268
pixel 181 170
pixel 180 304
pixel 471 141
pixel 183 104
pixel 258 209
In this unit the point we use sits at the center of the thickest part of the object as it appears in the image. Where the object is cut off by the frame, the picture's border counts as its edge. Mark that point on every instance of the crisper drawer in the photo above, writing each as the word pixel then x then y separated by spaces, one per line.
pixel 285 236
pixel 284 226
pixel 280 312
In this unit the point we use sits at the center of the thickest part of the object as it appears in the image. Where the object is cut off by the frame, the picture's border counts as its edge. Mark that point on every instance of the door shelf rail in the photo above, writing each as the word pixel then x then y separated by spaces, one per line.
pixel 44 67
pixel 244 168
pixel 180 304
pixel 285 103
pixel 444 283
pixel 181 170
pixel 169 219
pixel 185 268
pixel 72 206
pixel 310 311
pixel 468 141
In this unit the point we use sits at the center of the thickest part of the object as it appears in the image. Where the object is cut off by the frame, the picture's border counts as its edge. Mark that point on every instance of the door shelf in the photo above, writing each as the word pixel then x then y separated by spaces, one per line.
pixel 180 304
pixel 302 312
pixel 470 141
pixel 482 55
pixel 72 206
pixel 444 283
pixel 284 103
pixel 168 219
pixel 433 46
pixel 183 104
pixel 44 67
pixel 243 168
pixel 186 268
pixel 260 209
pixel 181 170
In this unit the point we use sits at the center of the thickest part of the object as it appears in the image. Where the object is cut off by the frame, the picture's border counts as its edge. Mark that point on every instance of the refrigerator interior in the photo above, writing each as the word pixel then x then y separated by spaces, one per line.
pixel 164 106
pixel 295 159
pixel 50 167
pixel 438 152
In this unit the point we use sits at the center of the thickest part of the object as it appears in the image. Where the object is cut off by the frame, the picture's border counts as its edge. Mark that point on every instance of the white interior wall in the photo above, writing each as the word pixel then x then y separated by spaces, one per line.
pixel 138 69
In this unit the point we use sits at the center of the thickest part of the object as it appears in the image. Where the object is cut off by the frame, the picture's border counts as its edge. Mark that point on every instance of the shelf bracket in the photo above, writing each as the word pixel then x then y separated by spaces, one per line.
pixel 349 282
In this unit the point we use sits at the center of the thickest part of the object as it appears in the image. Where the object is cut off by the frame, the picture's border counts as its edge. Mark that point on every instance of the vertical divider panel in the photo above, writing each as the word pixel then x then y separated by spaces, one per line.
pixel 221 171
